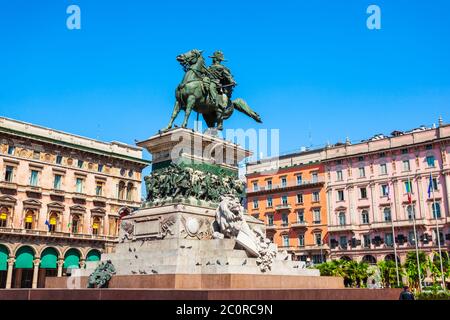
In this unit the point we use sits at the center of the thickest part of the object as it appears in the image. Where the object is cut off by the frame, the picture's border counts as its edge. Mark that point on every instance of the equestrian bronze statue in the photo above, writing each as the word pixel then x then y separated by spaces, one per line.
pixel 207 90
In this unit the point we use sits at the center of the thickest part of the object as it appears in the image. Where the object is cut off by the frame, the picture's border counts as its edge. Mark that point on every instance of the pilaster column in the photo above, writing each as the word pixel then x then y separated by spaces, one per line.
pixel 396 202
pixel 9 273
pixel 351 205
pixel 422 214
pixel 36 264
pixel 60 264
pixel 372 198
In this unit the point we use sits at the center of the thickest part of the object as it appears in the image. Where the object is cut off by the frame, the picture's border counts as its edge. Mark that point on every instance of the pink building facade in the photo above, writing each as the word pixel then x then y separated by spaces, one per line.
pixel 369 208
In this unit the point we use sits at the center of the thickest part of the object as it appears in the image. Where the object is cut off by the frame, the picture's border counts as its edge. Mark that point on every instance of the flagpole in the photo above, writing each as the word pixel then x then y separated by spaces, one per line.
pixel 415 234
pixel 437 232
pixel 393 237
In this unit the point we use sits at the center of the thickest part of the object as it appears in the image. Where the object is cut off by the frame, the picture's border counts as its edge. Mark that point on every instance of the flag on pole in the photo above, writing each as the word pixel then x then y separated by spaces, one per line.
pixel 47 224
pixel 409 191
pixel 430 187
pixel 68 225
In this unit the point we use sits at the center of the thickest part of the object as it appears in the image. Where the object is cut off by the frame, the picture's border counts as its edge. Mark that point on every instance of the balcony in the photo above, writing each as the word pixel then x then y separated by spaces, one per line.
pixel 34 189
pixel 271 227
pixel 303 184
pixel 316 247
pixel 283 207
pixel 79 196
pixel 397 224
pixel 299 224
pixel 345 227
pixel 8 185
pixel 45 233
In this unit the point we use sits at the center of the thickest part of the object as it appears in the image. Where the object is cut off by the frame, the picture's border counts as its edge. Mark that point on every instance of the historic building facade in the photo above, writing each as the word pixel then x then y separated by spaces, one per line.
pixel 61 199
pixel 289 195
pixel 377 195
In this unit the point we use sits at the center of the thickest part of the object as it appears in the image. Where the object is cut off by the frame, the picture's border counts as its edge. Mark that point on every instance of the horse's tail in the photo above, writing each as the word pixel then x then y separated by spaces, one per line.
pixel 243 107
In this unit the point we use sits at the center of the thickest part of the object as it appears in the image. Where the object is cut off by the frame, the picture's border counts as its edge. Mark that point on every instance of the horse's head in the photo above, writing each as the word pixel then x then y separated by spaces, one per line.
pixel 189 58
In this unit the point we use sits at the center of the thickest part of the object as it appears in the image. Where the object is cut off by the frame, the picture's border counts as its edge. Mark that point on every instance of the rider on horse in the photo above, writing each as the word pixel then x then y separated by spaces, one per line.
pixel 222 81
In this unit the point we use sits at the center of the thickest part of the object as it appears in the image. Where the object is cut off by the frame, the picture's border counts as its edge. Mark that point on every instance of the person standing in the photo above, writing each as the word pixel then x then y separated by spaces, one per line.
pixel 406 294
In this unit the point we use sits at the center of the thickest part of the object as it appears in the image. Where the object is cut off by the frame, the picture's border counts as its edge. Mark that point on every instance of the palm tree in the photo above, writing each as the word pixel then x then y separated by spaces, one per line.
pixel 388 273
pixel 410 267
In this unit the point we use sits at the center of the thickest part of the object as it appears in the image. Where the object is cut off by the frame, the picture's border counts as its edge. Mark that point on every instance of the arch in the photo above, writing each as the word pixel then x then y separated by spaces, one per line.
pixel 346 258
pixel 49 258
pixel 391 257
pixel 24 258
pixel 93 255
pixel 4 254
pixel 369 259
pixel 72 258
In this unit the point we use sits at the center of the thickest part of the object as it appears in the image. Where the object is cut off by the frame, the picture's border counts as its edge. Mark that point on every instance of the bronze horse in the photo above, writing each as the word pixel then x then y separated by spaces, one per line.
pixel 192 94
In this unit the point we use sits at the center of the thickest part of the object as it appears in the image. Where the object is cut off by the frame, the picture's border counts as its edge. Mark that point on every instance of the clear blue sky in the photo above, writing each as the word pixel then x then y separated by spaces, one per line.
pixel 310 68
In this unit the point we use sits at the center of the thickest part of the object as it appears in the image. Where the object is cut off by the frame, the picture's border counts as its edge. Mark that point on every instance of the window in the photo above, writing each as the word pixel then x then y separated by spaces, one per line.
pixel 343 241
pixel 269 184
pixel 80 164
pixel 441 238
pixel 435 184
pixel 270 219
pixel 284 219
pixel 363 193
pixel 79 185
pixel 339 175
pixel 318 238
pixel 384 190
pixel 430 161
pixel 365 217
pixel 130 188
pixel 3 217
pixel 300 198
pixel 411 238
pixel 340 195
pixel 362 172
pixel 57 182
pixel 383 168
pixel 34 178
pixel 361 158
pixel 9 173
pixel 315 177
pixel 100 168
pixel 75 224
pixel 53 222
pixel 285 240
pixel 29 217
pixel 11 150
pixel 255 186
pixel 411 212
pixel 429 147
pixel 300 216
pixel 284 200
pixel 389 239
pixel 99 189
pixel 58 159
pixel 406 166
pixel 130 173
pixel 316 214
pixel 408 187
pixel 269 202
pixel 316 196
pixel 299 179
pixel 121 190
pixel 436 210
pixel 96 226
pixel 301 240
pixel 387 214
pixel 283 182
pixel 338 162
pixel 382 155
pixel 366 240
pixel 342 219
pixel 255 204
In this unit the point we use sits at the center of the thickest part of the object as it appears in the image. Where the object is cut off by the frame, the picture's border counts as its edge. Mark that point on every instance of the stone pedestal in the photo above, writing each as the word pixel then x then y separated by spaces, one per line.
pixel 176 236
